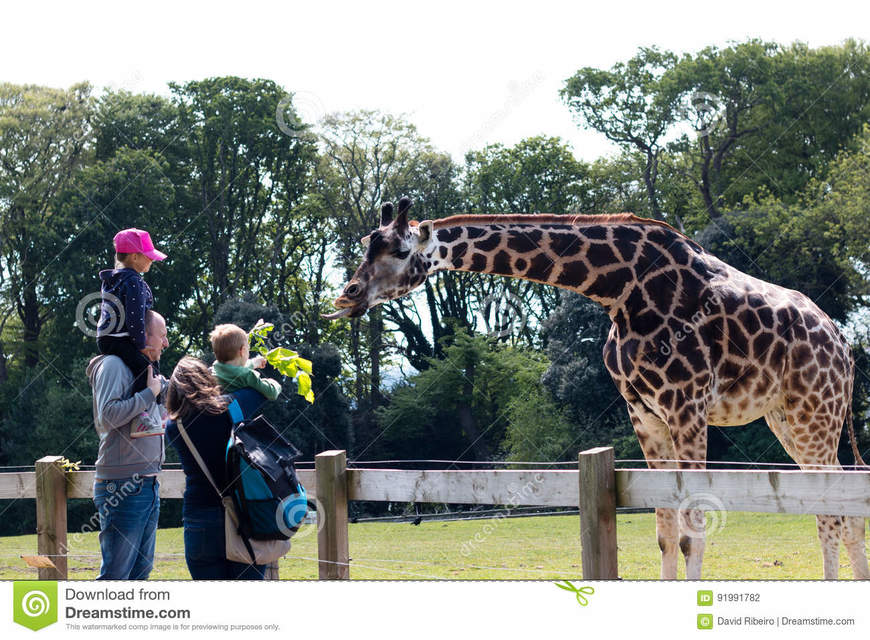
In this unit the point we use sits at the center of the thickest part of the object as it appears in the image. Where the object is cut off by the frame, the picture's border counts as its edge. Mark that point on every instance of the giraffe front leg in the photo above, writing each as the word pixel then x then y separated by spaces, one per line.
pixel 667 532
pixel 829 535
pixel 690 438
pixel 657 446
pixel 693 540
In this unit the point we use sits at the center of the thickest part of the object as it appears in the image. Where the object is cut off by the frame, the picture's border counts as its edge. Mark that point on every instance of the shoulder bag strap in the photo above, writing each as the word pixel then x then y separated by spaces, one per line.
pixel 196 455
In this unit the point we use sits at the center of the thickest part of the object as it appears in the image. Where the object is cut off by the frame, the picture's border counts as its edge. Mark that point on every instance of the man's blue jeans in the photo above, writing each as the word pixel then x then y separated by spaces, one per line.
pixel 128 510
pixel 205 547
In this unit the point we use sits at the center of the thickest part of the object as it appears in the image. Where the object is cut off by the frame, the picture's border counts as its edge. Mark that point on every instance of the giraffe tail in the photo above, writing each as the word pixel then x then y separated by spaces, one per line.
pixel 849 423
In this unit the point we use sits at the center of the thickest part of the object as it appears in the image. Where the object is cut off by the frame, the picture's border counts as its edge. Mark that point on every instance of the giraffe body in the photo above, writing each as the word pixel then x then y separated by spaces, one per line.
pixel 694 341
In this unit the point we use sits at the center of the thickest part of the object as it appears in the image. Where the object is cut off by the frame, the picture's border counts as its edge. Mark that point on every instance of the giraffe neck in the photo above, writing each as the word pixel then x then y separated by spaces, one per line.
pixel 596 256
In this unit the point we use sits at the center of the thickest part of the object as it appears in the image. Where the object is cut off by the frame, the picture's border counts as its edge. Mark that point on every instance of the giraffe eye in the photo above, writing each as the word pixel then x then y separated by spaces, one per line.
pixel 401 254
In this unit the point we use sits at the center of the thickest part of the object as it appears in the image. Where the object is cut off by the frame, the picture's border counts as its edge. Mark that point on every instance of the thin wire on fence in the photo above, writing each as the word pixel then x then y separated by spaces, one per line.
pixel 833 467
pixel 463 462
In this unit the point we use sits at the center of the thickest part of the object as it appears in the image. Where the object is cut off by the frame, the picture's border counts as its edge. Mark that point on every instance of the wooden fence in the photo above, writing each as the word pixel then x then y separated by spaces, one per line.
pixel 595 486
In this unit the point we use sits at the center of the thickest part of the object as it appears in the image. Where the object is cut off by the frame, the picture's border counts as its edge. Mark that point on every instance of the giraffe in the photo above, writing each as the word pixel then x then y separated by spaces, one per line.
pixel 693 342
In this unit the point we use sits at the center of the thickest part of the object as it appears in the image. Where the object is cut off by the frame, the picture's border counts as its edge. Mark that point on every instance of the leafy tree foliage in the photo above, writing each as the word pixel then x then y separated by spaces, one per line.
pixel 577 378
pixel 633 105
pixel 43 138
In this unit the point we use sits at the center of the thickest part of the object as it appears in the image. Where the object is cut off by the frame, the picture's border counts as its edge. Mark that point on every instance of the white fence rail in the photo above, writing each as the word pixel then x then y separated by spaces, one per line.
pixel 596 487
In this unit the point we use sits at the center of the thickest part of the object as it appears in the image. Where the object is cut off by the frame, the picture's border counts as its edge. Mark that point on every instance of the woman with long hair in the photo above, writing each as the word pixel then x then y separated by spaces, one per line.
pixel 195 399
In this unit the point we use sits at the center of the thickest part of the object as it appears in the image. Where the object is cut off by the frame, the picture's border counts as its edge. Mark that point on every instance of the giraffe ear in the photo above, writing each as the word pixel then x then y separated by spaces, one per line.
pixel 386 214
pixel 365 240
pixel 425 229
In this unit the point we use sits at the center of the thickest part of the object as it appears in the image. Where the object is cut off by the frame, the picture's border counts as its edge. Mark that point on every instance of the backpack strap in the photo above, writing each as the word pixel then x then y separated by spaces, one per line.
pixel 235 410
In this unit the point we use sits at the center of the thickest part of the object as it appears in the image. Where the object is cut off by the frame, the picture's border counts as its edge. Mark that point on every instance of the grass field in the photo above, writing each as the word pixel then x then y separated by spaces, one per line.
pixel 740 546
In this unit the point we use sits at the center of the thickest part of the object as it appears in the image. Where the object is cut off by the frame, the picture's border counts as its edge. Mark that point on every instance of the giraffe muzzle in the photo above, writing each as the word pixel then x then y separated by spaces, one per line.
pixel 346 309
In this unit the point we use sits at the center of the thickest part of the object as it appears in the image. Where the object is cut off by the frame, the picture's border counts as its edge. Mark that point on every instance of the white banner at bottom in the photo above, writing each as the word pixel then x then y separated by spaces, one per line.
pixel 419 610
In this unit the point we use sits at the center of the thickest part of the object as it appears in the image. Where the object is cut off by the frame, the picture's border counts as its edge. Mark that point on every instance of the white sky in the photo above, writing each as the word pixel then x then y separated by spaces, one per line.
pixel 466 73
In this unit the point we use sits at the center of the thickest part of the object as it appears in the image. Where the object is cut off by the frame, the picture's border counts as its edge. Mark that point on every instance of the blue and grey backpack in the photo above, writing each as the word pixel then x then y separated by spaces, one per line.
pixel 269 499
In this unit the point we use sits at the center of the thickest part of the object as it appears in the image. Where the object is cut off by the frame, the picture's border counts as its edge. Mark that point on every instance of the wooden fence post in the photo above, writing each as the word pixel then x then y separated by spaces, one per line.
pixel 598 514
pixel 332 549
pixel 51 516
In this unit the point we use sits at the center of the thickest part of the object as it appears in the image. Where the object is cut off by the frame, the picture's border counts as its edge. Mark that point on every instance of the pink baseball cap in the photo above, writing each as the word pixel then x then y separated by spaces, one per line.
pixel 137 241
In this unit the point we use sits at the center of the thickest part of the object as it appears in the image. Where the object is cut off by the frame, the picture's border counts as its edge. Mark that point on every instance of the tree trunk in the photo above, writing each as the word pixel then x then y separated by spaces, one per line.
pixel 29 314
pixel 4 373
pixel 706 182
pixel 650 174
pixel 466 417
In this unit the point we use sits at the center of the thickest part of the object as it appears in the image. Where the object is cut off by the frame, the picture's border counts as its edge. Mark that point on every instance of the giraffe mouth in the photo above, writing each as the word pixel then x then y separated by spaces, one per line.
pixel 354 311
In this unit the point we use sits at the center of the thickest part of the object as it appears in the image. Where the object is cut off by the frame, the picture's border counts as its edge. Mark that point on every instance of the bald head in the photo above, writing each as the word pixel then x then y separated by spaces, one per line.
pixel 155 335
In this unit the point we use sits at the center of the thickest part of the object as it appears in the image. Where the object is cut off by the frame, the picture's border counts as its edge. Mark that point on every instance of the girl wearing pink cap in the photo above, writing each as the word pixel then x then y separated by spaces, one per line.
pixel 125 299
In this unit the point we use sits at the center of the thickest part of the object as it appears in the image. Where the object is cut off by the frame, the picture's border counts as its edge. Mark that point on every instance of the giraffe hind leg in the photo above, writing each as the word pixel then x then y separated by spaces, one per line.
pixel 853 539
pixel 831 529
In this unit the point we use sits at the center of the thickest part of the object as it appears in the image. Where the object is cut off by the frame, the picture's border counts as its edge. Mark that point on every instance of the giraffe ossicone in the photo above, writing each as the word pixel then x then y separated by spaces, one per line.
pixel 694 341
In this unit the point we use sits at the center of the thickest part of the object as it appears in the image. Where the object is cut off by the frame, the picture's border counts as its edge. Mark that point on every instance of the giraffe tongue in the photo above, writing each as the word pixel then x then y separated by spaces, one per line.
pixel 337 314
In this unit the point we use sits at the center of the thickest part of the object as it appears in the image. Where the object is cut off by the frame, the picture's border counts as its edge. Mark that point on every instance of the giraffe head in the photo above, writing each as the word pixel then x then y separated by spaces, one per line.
pixel 393 264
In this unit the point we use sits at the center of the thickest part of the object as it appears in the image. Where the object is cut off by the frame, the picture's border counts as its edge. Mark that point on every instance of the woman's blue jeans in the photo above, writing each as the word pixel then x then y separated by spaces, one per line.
pixel 205 547
pixel 128 510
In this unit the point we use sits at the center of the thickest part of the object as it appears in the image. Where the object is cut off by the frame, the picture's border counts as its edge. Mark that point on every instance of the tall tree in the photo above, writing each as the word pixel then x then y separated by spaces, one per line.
pixel 44 137
pixel 764 117
pixel 722 91
pixel 537 175
pixel 251 179
pixel 367 157
pixel 632 105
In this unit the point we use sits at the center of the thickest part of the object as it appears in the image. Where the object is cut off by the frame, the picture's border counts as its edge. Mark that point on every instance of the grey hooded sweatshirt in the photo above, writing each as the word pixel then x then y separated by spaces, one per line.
pixel 116 410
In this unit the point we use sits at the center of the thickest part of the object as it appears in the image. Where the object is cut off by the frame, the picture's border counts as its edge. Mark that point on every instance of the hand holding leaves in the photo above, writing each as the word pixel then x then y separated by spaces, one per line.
pixel 286 361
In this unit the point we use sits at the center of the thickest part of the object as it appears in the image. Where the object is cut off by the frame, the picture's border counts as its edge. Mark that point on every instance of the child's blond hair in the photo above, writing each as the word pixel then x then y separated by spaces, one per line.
pixel 227 340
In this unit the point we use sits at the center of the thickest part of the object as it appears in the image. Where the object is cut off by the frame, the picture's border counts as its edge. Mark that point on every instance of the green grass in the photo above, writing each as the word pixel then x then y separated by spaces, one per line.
pixel 741 546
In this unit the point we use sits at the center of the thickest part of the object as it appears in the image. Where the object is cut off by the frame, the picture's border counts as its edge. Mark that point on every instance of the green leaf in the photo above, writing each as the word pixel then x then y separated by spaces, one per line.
pixel 305 365
pixel 304 382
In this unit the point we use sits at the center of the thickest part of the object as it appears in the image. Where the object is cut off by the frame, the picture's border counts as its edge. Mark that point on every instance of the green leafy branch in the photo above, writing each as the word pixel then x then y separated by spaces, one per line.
pixel 287 362
pixel 69 466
